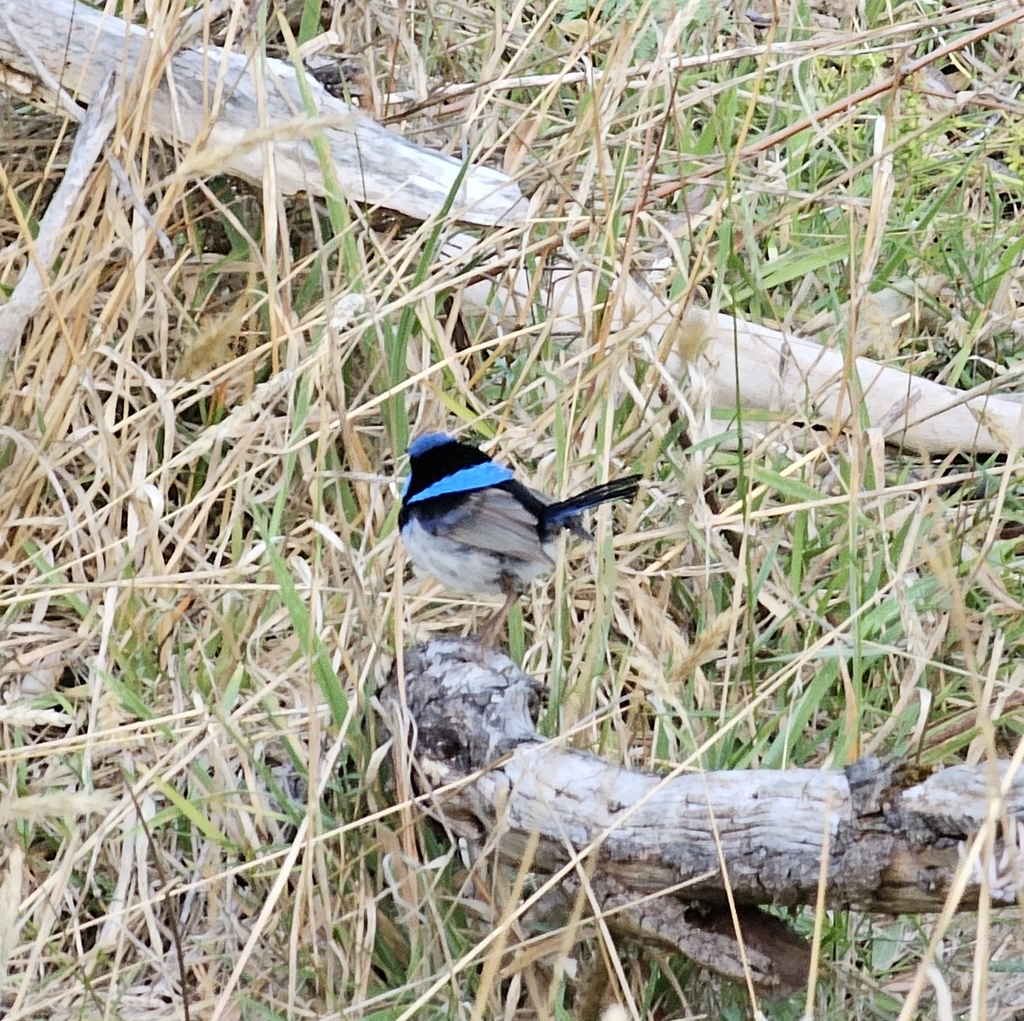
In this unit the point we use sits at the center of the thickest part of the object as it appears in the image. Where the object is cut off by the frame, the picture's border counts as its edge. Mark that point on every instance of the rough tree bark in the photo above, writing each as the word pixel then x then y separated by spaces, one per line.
pixel 892 841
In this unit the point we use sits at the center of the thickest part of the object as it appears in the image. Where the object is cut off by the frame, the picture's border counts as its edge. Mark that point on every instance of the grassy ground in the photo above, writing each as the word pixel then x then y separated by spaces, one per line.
pixel 201 583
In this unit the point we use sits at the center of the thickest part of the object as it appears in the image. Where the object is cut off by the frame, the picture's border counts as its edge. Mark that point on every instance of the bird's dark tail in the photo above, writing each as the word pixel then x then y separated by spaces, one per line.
pixel 565 513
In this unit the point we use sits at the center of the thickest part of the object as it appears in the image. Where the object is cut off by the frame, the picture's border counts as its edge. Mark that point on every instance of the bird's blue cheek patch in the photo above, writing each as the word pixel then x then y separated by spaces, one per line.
pixel 468 480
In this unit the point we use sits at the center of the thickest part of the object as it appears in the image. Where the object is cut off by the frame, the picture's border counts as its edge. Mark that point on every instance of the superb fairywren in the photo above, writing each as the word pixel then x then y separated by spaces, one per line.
pixel 468 522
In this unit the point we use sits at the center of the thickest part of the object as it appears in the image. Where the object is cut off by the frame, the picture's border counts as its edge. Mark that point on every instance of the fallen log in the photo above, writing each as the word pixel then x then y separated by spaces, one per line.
pixel 210 100
pixel 654 846
pixel 781 378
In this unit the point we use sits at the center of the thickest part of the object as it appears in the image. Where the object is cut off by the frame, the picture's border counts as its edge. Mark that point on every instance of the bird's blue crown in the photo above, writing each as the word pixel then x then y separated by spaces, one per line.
pixel 428 441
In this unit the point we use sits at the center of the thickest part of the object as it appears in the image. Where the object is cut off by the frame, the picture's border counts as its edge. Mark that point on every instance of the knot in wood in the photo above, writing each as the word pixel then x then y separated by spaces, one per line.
pixel 471 703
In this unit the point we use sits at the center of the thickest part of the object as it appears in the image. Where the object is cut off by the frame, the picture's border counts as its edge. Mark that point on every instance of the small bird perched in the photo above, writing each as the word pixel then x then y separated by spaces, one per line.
pixel 468 522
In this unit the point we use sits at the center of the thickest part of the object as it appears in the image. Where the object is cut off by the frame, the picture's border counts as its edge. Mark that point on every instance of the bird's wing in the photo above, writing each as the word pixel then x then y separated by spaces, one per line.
pixel 495 521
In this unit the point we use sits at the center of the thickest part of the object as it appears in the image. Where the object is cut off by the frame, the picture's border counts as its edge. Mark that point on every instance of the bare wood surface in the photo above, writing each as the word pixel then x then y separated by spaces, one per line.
pixel 751 366
pixel 32 287
pixel 893 844
pixel 371 164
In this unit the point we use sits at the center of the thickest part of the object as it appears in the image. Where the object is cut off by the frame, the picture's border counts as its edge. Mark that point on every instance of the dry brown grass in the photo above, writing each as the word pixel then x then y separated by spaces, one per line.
pixel 200 583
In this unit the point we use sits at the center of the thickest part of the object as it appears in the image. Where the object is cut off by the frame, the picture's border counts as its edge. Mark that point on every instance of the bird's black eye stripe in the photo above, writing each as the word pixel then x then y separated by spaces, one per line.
pixel 439 462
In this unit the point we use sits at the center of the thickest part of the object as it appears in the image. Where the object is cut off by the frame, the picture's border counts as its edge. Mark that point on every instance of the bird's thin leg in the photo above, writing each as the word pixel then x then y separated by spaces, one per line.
pixel 492 629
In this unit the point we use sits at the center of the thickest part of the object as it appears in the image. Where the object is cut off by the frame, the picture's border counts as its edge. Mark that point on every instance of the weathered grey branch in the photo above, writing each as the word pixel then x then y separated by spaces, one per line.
pixel 371 164
pixel 892 844
pixel 30 290
pixel 750 366
pixel 774 957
